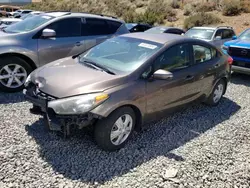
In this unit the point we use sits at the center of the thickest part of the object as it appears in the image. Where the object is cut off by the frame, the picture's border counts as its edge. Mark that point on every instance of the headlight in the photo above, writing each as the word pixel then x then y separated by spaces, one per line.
pixel 224 47
pixel 28 80
pixel 77 105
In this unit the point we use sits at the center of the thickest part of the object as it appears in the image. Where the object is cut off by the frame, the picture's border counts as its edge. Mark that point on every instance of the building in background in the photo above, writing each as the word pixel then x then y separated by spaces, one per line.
pixel 17 2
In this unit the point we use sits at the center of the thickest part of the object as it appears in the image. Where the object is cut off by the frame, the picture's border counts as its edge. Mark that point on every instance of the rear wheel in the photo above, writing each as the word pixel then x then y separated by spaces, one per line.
pixel 217 94
pixel 13 73
pixel 113 132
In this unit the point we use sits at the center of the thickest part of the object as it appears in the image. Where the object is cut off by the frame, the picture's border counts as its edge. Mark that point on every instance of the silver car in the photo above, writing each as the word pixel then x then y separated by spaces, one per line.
pixel 41 39
pixel 215 35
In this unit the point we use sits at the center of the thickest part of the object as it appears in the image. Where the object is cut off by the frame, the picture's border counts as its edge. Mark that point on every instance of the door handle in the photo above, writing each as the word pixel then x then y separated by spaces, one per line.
pixel 78 43
pixel 189 77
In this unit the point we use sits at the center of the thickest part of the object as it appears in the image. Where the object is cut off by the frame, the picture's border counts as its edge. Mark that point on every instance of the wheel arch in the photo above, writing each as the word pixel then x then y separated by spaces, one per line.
pixel 225 80
pixel 24 57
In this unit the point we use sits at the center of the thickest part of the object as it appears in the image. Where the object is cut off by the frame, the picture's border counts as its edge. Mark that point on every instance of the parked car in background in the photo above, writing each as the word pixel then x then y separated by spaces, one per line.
pixel 137 27
pixel 47 37
pixel 163 29
pixel 216 35
pixel 239 49
pixel 5 10
pixel 21 13
pixel 5 22
pixel 12 13
pixel 34 13
pixel 126 81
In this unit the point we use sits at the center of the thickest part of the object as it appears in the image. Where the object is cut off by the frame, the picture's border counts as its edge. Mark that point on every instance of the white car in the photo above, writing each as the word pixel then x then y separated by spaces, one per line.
pixel 12 13
pixel 22 13
pixel 5 22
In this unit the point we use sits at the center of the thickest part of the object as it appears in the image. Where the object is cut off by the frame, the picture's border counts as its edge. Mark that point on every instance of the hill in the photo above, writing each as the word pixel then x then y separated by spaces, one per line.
pixel 181 13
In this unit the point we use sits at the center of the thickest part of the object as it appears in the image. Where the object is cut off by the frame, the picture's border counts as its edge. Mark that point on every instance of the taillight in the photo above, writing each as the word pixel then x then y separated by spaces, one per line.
pixel 230 60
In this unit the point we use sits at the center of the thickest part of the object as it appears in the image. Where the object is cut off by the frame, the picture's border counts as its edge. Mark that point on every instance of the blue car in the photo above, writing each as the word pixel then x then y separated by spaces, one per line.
pixel 239 50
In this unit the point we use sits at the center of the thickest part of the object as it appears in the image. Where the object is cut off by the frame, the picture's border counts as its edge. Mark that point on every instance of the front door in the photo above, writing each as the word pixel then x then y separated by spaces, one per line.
pixel 68 41
pixel 163 95
pixel 217 40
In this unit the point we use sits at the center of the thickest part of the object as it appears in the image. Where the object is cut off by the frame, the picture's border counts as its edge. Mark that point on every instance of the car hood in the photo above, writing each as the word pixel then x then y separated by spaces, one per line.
pixel 67 77
pixel 239 43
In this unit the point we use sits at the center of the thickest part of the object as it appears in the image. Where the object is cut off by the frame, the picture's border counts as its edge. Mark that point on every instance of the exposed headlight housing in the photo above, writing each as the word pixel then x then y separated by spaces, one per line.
pixel 78 104
pixel 27 81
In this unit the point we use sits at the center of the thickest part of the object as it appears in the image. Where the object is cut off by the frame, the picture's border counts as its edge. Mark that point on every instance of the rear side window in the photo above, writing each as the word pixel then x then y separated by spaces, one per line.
pixel 174 31
pixel 113 26
pixel 203 54
pixel 26 11
pixel 227 33
pixel 95 26
pixel 70 27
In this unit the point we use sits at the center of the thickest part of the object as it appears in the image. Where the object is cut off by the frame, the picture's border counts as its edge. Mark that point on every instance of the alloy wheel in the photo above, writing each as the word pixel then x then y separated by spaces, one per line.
pixel 13 75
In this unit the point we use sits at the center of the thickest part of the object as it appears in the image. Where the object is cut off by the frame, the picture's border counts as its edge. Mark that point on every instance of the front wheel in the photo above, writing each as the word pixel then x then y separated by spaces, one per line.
pixel 113 132
pixel 217 93
pixel 13 74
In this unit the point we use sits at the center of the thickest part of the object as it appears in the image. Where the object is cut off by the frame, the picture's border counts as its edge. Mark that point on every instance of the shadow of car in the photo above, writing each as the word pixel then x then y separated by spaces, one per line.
pixel 79 159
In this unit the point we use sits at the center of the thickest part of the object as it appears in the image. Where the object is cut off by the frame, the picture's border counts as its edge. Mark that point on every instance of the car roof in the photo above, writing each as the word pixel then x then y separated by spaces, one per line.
pixel 80 14
pixel 204 28
pixel 161 38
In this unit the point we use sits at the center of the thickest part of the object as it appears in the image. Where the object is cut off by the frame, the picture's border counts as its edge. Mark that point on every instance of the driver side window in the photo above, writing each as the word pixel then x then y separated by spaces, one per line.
pixel 174 58
pixel 70 27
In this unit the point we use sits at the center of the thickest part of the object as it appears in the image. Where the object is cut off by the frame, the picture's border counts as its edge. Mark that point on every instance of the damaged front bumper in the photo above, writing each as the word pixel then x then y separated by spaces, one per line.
pixel 55 122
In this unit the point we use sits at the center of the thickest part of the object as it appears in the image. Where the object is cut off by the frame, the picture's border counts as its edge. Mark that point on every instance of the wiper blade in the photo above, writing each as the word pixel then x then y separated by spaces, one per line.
pixel 98 67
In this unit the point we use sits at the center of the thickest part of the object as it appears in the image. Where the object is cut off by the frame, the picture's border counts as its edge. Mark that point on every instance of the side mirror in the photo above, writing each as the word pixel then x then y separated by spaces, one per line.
pixel 162 75
pixel 218 38
pixel 48 33
pixel 234 37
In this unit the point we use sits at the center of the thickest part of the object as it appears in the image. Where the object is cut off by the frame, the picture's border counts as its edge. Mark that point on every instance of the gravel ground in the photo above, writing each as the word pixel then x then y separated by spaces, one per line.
pixel 196 147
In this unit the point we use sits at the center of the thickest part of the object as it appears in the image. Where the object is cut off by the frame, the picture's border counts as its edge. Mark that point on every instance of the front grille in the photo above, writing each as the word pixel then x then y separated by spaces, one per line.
pixel 239 52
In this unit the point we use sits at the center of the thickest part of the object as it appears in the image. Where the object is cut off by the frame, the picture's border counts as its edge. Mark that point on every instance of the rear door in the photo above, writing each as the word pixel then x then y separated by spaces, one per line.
pixel 218 41
pixel 206 66
pixel 97 30
pixel 68 40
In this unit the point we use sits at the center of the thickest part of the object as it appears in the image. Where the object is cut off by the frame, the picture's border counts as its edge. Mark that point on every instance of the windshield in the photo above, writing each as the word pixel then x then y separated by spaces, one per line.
pixel 121 54
pixel 156 30
pixel 28 24
pixel 245 35
pixel 200 33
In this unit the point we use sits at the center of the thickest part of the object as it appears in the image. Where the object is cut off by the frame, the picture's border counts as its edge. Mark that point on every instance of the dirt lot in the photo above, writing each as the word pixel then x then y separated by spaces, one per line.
pixel 197 147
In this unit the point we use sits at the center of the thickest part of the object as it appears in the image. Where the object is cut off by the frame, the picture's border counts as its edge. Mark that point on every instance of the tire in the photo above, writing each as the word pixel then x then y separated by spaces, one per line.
pixel 220 88
pixel 103 129
pixel 9 75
